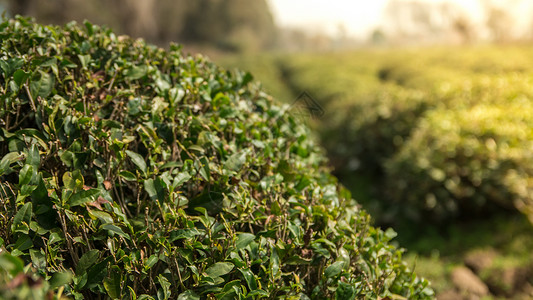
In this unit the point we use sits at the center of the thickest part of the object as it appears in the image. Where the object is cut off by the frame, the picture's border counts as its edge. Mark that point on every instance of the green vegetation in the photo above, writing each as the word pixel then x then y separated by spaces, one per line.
pixel 467 161
pixel 131 172
pixel 446 136
pixel 435 142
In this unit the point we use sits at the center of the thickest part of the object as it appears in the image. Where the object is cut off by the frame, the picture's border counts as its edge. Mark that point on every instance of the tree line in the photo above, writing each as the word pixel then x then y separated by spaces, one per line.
pixel 233 25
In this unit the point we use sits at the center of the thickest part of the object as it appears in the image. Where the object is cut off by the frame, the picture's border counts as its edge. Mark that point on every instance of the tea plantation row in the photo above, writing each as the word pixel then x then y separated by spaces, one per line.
pixel 442 136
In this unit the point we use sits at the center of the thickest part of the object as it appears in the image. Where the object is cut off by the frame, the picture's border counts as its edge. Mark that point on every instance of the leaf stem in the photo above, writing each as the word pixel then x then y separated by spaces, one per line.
pixel 32 102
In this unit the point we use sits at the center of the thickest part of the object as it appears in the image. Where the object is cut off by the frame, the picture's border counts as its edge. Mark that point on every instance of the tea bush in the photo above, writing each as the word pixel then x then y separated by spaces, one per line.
pixel 131 172
pixel 385 112
pixel 375 127
pixel 363 116
pixel 463 162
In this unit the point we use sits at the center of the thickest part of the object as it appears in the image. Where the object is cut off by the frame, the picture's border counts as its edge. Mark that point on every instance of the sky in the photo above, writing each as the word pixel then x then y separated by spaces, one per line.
pixel 359 17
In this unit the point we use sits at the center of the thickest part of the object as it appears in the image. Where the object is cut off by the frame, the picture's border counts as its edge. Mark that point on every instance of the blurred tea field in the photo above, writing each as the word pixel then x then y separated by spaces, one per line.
pixel 434 142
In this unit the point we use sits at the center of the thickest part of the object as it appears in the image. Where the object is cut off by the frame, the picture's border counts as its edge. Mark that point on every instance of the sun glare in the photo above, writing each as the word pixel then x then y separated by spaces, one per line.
pixel 359 18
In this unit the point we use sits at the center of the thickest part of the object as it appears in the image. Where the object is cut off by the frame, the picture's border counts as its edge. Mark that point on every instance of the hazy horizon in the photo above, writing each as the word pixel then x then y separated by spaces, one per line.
pixel 360 18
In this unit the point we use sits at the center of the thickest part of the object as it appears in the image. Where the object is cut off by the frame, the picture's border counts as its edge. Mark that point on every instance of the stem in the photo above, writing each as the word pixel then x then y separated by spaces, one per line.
pixel 73 254
pixel 32 102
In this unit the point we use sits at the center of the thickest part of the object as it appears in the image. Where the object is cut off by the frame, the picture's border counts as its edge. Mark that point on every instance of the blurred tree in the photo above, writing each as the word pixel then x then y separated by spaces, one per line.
pixel 415 20
pixel 199 22
pixel 463 26
pixel 499 23
pixel 412 19
pixel 422 16
pixel 138 18
pixel 228 24
pixel 231 24
pixel 252 21
pixel 170 20
pixel 378 37
pixel 18 7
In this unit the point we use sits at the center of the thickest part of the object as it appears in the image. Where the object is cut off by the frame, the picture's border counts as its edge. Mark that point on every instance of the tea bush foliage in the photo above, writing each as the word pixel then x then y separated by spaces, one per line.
pixel 132 172
pixel 465 162
pixel 442 136
pixel 364 115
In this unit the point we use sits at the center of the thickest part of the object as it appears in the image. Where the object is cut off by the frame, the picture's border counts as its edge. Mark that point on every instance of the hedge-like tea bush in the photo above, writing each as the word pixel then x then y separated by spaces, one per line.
pixel 366 119
pixel 373 128
pixel 467 161
pixel 139 173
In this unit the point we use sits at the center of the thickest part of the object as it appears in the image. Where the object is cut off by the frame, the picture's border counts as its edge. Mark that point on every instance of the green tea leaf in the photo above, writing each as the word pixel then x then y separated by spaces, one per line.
pixel 188 295
pixel 128 176
pixel 84 60
pixel 235 162
pixel 259 293
pixel 176 94
pixel 10 263
pixel 390 233
pixel 204 168
pixel 38 259
pixel 297 260
pixel 136 72
pixel 115 229
pixel 243 240
pixel 54 238
pixel 20 77
pixel 165 287
pixel 33 156
pixel 50 62
pixel 23 243
pixel 196 148
pixel 11 65
pixel 219 269
pixel 155 189
pixel 274 262
pixel 89 27
pixel 87 260
pixel 183 234
pixel 103 216
pixel 151 261
pixel 83 197
pixel 345 291
pixel 41 85
pixel 7 160
pixel 97 273
pixel 25 175
pixel 138 160
pixel 60 279
pixel 180 179
pixel 73 180
pixel 334 269
pixel 23 216
pixel 247 78
pixel 112 283
pixel 250 279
